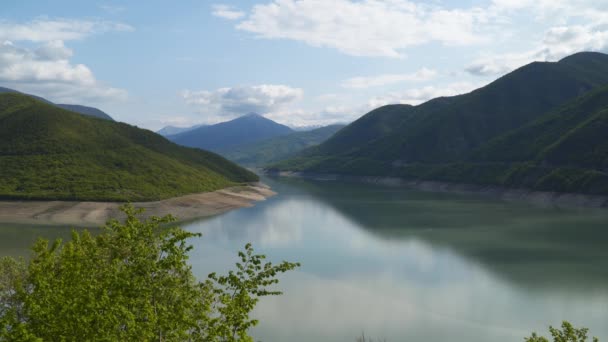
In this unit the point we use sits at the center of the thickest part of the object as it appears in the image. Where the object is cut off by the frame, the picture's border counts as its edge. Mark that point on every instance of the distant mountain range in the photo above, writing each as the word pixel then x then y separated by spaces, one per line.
pixel 173 130
pixel 306 128
pixel 543 126
pixel 243 130
pixel 50 153
pixel 264 152
pixel 84 110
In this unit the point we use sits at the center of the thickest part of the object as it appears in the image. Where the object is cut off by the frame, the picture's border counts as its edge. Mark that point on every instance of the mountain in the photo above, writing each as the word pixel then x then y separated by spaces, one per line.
pixel 172 130
pixel 305 128
pixel 243 130
pixel 481 136
pixel 565 150
pixel 84 110
pixel 8 90
pixel 271 150
pixel 47 152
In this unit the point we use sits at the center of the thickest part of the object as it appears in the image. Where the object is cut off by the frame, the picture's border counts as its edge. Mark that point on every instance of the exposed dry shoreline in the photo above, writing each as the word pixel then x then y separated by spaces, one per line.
pixel 537 197
pixel 91 214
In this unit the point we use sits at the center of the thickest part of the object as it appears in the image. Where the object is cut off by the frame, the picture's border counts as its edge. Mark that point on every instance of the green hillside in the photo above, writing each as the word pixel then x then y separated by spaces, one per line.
pixel 274 149
pixel 542 138
pixel 84 110
pixel 50 153
pixel 541 126
pixel 371 126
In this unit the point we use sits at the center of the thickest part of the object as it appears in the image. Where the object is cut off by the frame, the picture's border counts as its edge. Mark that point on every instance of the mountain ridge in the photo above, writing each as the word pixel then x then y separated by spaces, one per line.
pixel 174 130
pixel 80 109
pixel 49 153
pixel 271 150
pixel 231 133
pixel 441 139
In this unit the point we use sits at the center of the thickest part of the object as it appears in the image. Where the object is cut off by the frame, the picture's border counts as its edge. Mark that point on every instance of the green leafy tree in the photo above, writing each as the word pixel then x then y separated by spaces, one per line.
pixel 131 282
pixel 567 333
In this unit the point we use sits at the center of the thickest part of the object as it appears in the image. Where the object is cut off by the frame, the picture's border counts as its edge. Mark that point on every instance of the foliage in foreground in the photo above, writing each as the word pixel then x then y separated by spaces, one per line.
pixel 132 282
pixel 568 333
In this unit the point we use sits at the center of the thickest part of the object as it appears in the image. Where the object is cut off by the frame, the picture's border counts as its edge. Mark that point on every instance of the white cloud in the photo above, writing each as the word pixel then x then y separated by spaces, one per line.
pixel 558 42
pixel 47 71
pixel 227 12
pixel 236 101
pixel 53 50
pixel 570 26
pixel 365 28
pixel 499 64
pixel 325 116
pixel 565 40
pixel 44 30
pixel 361 82
pixel 419 95
pixel 48 63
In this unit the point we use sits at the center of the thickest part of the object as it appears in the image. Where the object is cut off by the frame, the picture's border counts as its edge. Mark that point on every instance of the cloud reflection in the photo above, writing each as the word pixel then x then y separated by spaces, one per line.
pixel 411 267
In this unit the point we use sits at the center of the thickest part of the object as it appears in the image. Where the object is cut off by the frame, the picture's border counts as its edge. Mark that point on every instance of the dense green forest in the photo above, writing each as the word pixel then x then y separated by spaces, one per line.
pixel 542 127
pixel 80 109
pixel 51 153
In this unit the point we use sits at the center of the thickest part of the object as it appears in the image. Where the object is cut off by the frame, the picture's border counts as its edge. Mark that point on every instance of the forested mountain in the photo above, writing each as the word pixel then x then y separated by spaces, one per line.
pixel 84 110
pixel 47 152
pixel 541 126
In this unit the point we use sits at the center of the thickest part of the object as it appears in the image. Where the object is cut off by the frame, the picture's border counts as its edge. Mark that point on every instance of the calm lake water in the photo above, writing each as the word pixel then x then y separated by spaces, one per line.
pixel 407 265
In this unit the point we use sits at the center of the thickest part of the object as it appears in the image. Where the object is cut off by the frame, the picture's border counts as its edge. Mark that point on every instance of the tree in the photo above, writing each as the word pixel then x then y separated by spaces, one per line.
pixel 362 338
pixel 567 334
pixel 130 282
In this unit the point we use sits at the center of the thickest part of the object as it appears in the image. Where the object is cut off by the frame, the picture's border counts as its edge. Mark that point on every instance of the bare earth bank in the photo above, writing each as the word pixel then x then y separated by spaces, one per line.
pixel 91 214
pixel 542 198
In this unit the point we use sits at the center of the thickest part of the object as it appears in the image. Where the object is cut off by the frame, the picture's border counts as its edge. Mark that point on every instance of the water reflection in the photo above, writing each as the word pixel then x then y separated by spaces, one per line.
pixel 16 240
pixel 416 266
pixel 406 265
pixel 511 238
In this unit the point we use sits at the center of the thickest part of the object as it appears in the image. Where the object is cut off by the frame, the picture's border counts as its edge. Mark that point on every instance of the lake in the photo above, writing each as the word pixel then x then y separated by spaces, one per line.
pixel 404 265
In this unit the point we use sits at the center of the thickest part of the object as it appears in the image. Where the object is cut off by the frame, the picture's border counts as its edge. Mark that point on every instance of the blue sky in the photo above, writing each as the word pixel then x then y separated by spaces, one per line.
pixel 299 62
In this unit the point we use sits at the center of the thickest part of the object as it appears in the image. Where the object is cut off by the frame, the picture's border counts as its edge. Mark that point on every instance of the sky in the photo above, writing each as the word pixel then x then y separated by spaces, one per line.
pixel 155 63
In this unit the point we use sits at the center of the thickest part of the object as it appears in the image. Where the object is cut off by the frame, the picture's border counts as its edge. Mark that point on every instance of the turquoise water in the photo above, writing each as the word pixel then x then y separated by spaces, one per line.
pixel 406 265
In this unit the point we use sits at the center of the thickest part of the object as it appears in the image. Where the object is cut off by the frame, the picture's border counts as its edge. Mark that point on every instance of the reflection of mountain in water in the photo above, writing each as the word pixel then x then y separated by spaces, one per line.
pixel 530 246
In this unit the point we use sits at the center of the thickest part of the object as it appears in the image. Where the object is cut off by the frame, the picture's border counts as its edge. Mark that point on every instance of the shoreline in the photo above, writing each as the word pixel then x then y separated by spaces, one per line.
pixel 543 198
pixel 94 214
